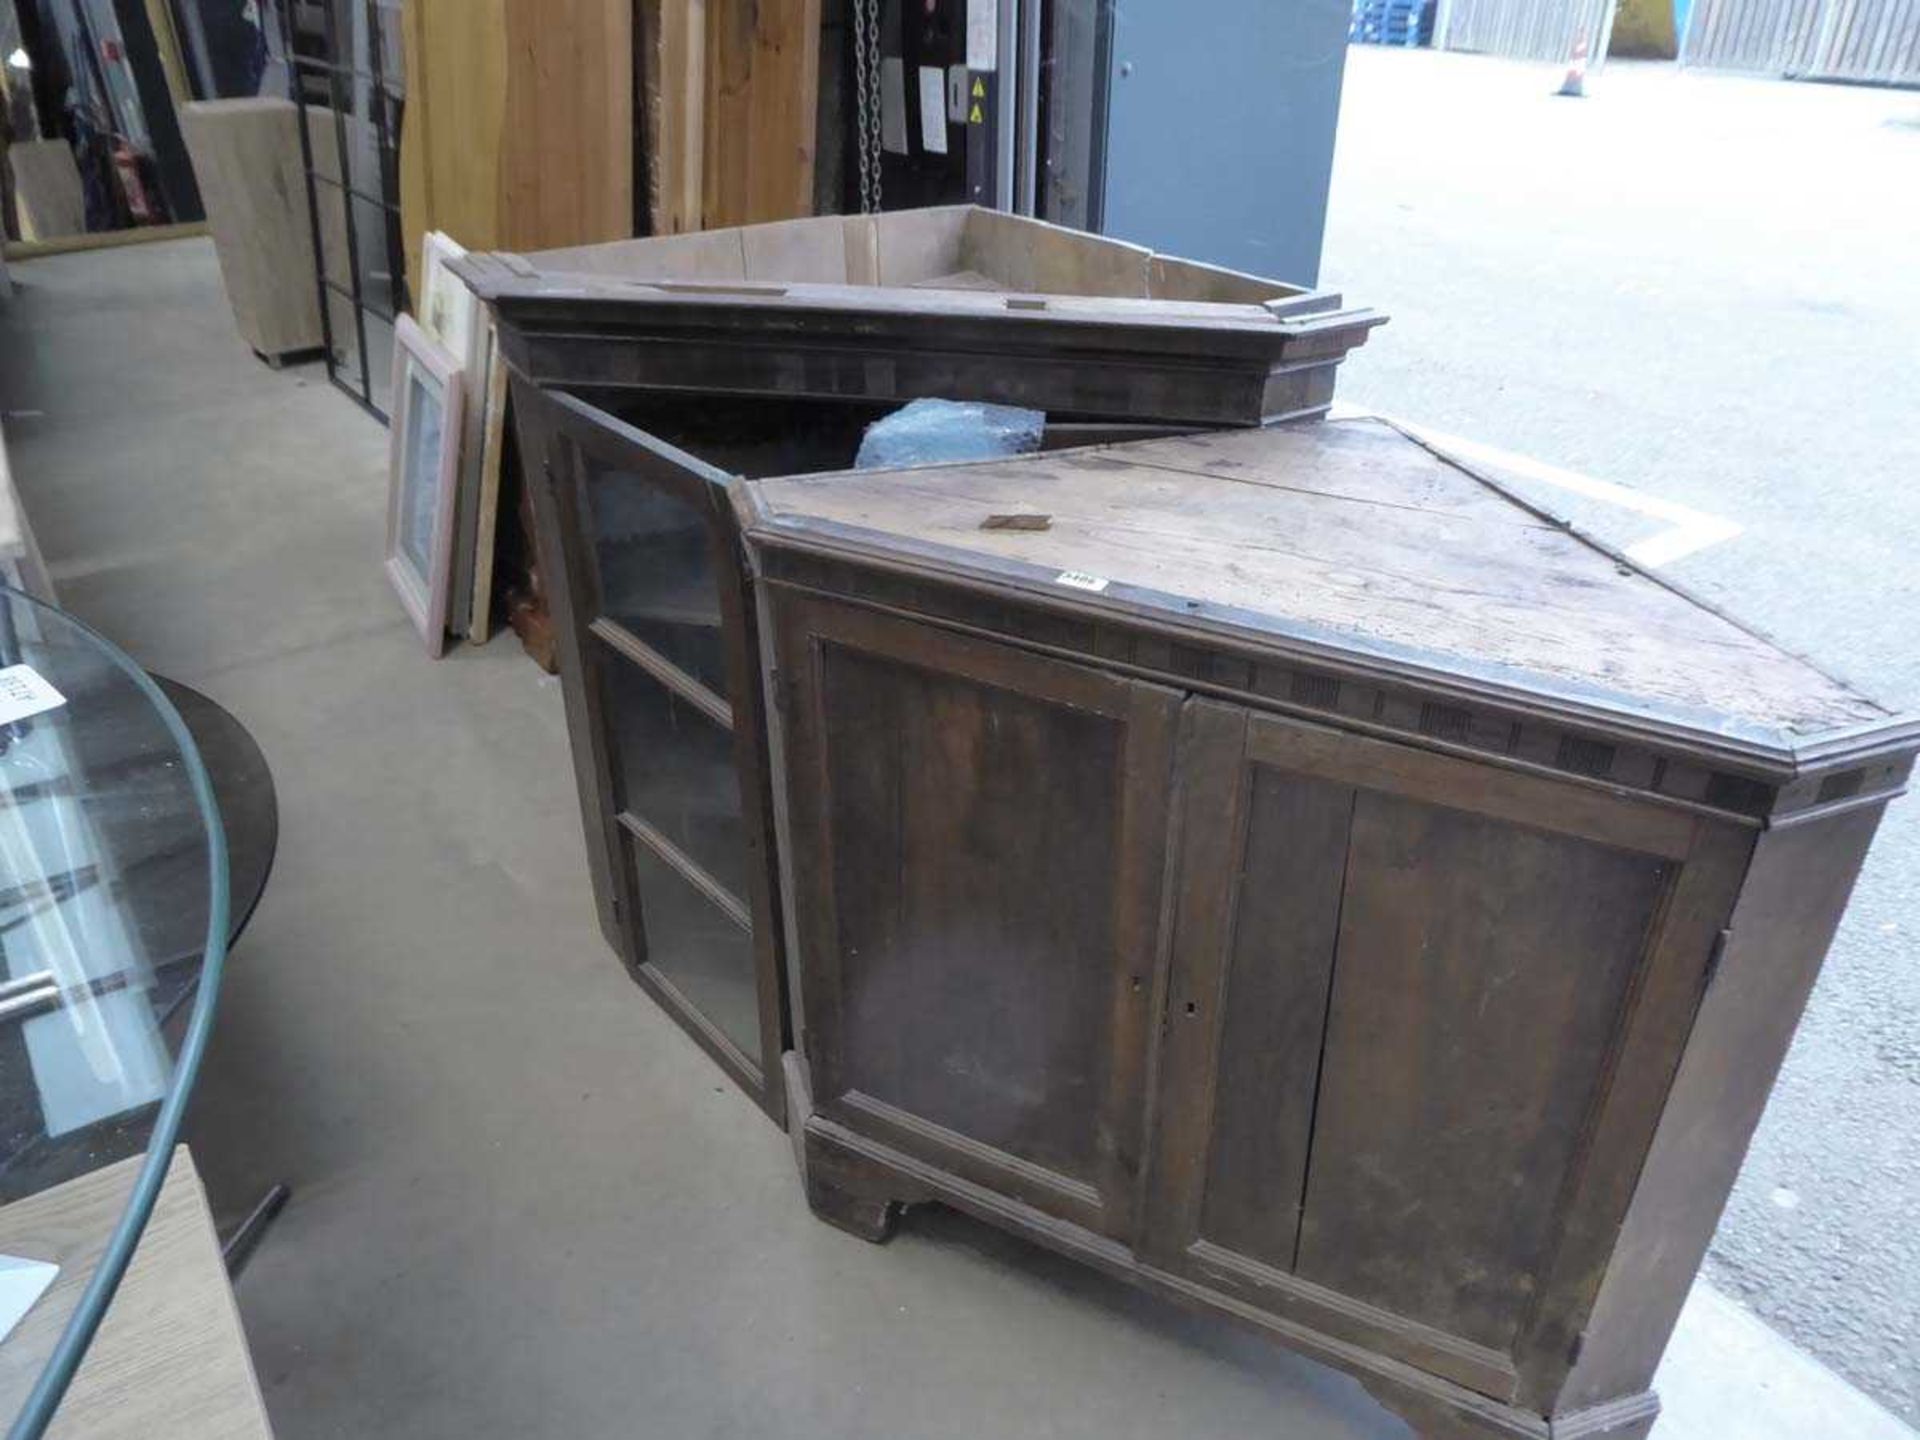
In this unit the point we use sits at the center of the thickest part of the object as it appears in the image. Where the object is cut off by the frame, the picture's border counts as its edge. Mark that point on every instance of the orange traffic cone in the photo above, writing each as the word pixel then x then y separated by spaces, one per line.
pixel 1576 82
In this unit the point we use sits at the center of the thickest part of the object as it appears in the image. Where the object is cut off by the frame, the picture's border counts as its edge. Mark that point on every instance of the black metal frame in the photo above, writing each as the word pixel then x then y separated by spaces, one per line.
pixel 341 79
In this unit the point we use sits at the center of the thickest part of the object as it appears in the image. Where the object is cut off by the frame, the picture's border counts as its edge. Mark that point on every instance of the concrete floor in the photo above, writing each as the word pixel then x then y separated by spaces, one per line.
pixel 1707 289
pixel 525 1204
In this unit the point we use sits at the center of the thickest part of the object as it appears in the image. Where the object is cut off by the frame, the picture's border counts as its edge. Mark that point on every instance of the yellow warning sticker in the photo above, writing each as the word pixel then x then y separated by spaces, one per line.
pixel 975 117
pixel 979 88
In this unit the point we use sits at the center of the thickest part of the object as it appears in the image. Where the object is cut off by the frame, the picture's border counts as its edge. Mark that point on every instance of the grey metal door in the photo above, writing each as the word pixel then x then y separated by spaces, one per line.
pixel 1220 122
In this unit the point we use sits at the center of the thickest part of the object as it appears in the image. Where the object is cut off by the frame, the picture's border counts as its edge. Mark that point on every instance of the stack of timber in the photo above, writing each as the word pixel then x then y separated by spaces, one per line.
pixel 521 120
pixel 519 130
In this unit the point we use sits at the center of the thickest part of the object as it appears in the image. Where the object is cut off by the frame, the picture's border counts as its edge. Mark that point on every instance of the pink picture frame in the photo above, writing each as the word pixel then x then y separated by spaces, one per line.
pixel 423 477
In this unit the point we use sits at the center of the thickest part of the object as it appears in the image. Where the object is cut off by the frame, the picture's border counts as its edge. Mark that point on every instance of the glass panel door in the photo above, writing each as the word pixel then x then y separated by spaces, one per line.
pixel 673 771
pixel 662 679
pixel 654 568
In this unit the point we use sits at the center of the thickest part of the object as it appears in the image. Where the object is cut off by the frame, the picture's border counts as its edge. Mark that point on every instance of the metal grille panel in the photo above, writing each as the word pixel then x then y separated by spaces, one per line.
pixel 1525 29
pixel 1876 41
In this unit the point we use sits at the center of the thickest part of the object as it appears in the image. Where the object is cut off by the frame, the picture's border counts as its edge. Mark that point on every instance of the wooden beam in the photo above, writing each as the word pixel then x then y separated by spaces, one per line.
pixel 457 124
pixel 167 41
pixel 566 170
pixel 519 132
pixel 763 81
pixel 676 90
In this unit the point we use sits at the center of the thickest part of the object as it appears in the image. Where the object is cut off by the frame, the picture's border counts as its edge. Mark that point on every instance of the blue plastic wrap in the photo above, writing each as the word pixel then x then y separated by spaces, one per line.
pixel 939 432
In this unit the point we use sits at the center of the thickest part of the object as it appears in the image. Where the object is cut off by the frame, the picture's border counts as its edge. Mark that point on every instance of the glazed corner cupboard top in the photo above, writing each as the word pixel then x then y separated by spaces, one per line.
pixel 1274 865
pixel 955 302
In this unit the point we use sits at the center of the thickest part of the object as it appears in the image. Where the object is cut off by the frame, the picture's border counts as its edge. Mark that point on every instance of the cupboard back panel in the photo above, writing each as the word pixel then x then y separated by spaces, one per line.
pixel 1481 975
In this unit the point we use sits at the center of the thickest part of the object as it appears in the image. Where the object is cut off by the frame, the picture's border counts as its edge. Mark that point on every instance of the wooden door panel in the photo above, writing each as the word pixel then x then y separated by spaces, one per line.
pixel 976 924
pixel 1280 965
pixel 991 834
pixel 1482 972
pixel 1388 1058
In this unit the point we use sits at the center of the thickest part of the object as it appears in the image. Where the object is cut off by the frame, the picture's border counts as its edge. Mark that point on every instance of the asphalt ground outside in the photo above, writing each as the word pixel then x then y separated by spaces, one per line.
pixel 1705 291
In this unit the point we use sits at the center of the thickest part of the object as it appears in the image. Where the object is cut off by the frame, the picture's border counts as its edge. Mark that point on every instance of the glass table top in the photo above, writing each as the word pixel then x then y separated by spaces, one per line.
pixel 114 919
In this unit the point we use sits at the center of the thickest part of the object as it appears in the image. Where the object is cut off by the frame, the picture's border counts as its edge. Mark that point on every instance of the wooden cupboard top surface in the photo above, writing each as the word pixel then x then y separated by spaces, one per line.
pixel 1343 537
pixel 955 301
pixel 948 247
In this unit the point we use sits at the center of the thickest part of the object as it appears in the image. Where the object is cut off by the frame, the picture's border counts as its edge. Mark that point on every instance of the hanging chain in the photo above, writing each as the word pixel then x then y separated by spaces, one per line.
pixel 866 67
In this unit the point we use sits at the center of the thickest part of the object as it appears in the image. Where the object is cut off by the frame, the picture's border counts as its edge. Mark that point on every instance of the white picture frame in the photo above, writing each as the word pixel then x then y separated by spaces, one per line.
pixel 447 310
pixel 423 476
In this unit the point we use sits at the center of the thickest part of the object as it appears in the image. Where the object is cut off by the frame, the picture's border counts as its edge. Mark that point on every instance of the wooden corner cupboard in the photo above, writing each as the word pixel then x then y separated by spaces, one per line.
pixel 1277 866
pixel 1304 881
pixel 646 373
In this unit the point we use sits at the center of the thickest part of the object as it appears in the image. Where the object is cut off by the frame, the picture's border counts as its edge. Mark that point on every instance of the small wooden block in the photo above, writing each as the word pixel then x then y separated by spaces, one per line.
pixel 1017 521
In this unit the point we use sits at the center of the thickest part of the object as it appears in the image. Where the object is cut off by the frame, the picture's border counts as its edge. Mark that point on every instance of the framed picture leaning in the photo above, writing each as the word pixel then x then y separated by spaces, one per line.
pixel 422 476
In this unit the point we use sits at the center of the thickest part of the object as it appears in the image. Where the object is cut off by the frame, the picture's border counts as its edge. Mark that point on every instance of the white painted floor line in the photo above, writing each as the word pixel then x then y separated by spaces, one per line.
pixel 1688 530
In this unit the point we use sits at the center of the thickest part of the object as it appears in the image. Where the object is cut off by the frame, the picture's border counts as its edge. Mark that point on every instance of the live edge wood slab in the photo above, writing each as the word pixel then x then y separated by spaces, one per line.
pixel 1302 880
